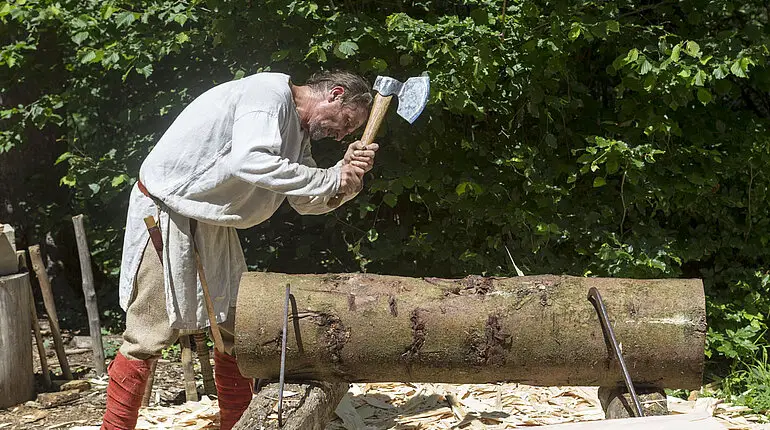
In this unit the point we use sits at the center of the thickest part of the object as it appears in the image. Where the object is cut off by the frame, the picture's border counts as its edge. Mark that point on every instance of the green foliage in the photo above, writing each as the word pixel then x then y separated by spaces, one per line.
pixel 616 138
pixel 749 383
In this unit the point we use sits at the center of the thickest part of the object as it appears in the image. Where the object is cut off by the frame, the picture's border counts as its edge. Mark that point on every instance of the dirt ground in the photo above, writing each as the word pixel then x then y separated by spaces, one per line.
pixel 88 408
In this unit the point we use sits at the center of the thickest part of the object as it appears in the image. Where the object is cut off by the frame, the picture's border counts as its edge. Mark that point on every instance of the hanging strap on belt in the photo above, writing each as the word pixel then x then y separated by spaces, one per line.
pixel 157 243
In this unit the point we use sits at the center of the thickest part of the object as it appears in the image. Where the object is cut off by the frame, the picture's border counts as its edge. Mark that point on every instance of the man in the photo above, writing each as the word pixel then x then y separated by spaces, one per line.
pixel 228 161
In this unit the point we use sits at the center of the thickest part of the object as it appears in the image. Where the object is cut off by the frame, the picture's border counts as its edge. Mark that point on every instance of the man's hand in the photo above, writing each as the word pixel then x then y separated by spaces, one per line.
pixel 351 179
pixel 361 156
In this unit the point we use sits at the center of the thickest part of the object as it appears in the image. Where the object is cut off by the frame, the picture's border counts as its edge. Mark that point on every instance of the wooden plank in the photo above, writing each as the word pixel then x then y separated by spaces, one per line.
pixel 50 308
pixel 667 422
pixel 92 308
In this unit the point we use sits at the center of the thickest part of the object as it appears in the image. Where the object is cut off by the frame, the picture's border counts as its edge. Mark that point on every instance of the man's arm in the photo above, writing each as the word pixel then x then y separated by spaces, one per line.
pixel 316 205
pixel 255 158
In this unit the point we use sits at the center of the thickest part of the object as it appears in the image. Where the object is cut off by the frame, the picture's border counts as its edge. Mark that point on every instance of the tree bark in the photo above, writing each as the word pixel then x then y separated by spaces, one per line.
pixel 538 330
pixel 17 380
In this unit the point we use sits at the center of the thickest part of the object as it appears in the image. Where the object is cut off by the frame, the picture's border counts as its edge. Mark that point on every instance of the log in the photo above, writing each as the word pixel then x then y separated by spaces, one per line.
pixel 52 400
pixel 50 308
pixel 312 408
pixel 92 308
pixel 537 330
pixel 17 377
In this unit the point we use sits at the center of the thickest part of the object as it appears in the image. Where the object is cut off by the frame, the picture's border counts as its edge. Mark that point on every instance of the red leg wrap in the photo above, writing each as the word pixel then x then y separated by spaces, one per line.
pixel 233 390
pixel 128 379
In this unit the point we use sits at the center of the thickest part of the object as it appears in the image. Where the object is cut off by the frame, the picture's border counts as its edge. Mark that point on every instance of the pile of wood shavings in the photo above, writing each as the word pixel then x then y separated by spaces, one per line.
pixel 203 414
pixel 444 406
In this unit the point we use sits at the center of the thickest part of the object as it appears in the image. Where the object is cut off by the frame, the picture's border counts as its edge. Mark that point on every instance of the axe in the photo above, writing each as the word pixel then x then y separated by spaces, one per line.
pixel 412 97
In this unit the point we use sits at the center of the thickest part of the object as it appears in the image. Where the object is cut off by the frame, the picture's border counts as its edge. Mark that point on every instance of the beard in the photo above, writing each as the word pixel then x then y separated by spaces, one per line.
pixel 317 132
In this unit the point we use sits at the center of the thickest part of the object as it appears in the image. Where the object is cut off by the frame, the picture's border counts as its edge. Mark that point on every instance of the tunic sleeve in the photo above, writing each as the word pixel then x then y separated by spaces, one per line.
pixel 318 204
pixel 255 158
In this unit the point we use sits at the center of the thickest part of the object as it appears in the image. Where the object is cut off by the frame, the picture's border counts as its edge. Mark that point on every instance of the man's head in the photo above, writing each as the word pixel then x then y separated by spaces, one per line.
pixel 337 105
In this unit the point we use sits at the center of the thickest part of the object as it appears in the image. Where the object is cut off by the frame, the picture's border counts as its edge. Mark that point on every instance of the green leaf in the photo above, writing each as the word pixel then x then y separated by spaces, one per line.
pixel 461 188
pixel 721 72
pixel 574 32
pixel 279 55
pixel 390 199
pixel 599 182
pixel 125 18
pixel 737 69
pixel 374 65
pixel 480 16
pixel 675 52
pixel 240 73
pixel 146 71
pixel 65 156
pixel 68 180
pixel 704 96
pixel 94 188
pixel 632 55
pixel 372 235
pixel 646 67
pixel 88 57
pixel 550 140
pixel 692 49
pixel 118 180
pixel 700 78
pixel 346 49
pixel 613 26
pixel 79 37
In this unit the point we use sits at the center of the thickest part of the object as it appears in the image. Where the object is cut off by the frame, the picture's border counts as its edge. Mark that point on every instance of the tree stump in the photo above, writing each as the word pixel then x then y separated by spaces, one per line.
pixel 17 378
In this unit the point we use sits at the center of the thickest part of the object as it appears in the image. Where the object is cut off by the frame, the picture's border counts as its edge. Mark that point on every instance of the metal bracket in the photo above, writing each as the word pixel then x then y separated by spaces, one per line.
pixel 609 336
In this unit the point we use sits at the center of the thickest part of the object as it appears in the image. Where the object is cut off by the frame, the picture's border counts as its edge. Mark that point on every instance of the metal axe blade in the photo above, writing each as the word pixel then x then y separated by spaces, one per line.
pixel 412 95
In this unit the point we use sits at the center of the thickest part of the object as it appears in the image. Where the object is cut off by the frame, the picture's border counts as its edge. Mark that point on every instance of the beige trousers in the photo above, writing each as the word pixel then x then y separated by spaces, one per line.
pixel 148 330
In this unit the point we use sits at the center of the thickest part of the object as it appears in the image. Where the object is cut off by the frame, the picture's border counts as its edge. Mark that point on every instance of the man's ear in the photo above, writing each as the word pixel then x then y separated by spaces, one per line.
pixel 335 93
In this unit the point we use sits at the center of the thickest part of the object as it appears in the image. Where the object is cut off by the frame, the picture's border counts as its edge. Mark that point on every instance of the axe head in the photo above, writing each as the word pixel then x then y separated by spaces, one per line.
pixel 412 95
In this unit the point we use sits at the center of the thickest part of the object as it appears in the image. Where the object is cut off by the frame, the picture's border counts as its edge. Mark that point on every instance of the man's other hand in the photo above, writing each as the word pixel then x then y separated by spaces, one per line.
pixel 351 179
pixel 361 156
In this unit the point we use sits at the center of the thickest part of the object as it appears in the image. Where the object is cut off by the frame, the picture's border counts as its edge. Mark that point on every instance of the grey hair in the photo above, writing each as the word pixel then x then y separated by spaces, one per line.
pixel 357 90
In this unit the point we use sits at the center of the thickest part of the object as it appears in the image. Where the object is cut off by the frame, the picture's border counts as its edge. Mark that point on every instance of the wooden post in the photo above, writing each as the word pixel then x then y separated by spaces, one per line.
pixel 17 379
pixel 209 387
pixel 22 256
pixel 50 308
pixel 90 295
pixel 190 391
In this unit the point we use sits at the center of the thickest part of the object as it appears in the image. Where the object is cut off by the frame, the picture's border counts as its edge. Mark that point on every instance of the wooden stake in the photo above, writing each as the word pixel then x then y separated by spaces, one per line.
pixel 190 391
pixel 50 308
pixel 148 388
pixel 203 356
pixel 92 307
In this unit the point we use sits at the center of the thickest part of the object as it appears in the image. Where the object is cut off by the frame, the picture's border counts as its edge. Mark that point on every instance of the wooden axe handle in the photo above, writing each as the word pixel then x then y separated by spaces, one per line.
pixel 376 115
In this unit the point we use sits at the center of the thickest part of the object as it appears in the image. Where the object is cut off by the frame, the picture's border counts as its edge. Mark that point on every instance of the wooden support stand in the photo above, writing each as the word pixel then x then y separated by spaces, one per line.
pixel 312 409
